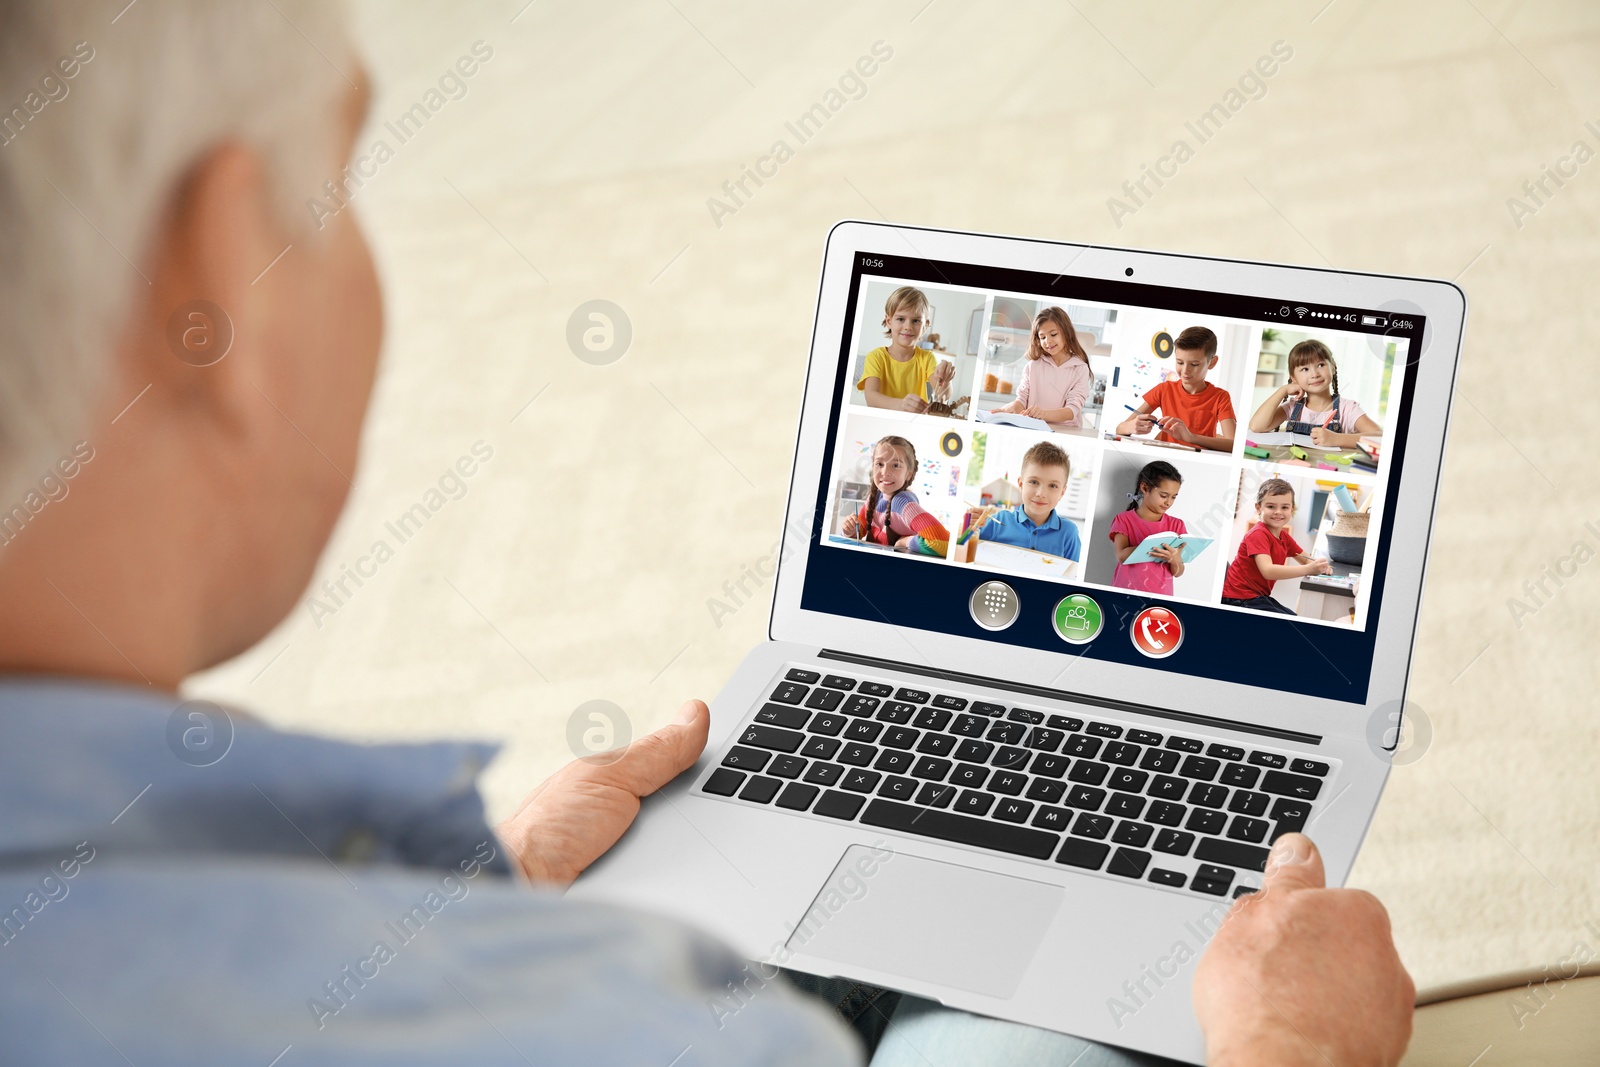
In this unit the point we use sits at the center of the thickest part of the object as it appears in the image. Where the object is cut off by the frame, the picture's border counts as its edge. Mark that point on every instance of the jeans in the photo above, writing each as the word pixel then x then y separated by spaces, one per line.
pixel 905 1031
pixel 1258 603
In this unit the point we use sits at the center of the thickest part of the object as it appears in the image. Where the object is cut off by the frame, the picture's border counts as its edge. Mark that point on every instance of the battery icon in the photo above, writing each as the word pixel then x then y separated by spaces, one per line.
pixel 1374 320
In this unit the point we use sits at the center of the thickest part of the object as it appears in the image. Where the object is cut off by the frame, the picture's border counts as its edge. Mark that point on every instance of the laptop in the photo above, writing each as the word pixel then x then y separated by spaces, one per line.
pixel 987 758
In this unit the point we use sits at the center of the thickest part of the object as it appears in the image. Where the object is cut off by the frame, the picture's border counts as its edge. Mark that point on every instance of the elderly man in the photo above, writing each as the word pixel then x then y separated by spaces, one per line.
pixel 179 884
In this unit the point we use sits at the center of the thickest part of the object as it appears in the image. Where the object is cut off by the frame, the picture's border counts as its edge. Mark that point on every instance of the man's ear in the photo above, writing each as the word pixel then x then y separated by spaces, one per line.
pixel 203 324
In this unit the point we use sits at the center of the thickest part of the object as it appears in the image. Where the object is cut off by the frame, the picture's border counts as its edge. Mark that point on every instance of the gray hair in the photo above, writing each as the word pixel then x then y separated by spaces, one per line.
pixel 101 117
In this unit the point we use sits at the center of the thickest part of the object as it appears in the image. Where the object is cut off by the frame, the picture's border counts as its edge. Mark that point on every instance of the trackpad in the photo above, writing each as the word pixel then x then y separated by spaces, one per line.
pixel 919 918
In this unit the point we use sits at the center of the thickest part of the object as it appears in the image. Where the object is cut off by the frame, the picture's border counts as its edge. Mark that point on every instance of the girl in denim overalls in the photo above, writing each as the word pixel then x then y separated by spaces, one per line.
pixel 1310 403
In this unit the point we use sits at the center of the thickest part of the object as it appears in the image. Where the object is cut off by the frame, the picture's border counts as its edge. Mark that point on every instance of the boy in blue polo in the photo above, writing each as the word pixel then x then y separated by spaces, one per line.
pixel 1034 523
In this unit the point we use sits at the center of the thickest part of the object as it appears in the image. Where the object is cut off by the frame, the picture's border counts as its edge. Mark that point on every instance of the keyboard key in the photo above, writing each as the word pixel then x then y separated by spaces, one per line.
pixel 1213 880
pixel 1225 752
pixel 1166 787
pixel 760 789
pixel 819 748
pixel 1163 813
pixel 797 797
pixel 1011 758
pixel 896 712
pixel 837 805
pixel 1136 834
pixel 1125 805
pixel 787 767
pixel 1012 810
pixel 1008 782
pixel 790 693
pixel 824 699
pixel 1050 818
pixel 1080 853
pixel 1046 790
pixel 800 674
pixel 1088 772
pixel 875 689
pixel 1306 766
pixel 1246 803
pixel 863 730
pixel 1184 744
pixel 1007 733
pixel 1174 842
pixel 894 761
pixel 1268 759
pixel 932 719
pixel 776 739
pixel 1128 780
pixel 1050 766
pixel 828 724
pixel 1128 862
pixel 1207 795
pixel 1240 775
pixel 972 802
pixel 1172 878
pixel 1200 767
pixel 950 703
pixel 1083 746
pixel 857 755
pixel 935 795
pixel 1284 784
pixel 1090 825
pixel 948 826
pixel 746 759
pixel 1144 737
pixel 1084 797
pixel 932 768
pixel 1025 715
pixel 1242 890
pixel 1121 753
pixel 912 696
pixel 824 773
pixel 899 737
pixel 1064 722
pixel 969 775
pixel 969 725
pixel 858 704
pixel 982 708
pixel 933 744
pixel 1289 817
pixel 1161 760
pixel 839 681
pixel 897 787
pixel 782 715
pixel 723 782
pixel 861 781
pixel 1206 821
pixel 1044 739
pixel 1104 729
pixel 971 751
pixel 1244 828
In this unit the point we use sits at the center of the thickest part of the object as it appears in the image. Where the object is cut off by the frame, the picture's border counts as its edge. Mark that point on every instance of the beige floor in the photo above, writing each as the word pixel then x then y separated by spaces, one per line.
pixel 579 563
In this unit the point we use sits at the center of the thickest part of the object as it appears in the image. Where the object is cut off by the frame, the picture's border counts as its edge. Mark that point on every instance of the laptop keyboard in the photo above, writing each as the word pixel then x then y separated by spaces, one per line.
pixel 1169 809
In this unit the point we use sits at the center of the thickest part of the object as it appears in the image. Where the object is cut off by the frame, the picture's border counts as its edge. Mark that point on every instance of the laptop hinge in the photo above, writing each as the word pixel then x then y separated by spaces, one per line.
pixel 1126 706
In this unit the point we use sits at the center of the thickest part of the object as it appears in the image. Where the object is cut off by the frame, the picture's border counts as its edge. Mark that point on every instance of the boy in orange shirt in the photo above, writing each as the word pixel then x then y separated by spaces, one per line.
pixel 1193 411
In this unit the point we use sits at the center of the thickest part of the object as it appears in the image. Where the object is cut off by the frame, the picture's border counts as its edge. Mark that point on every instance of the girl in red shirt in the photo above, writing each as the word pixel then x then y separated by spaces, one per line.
pixel 892 516
pixel 1265 551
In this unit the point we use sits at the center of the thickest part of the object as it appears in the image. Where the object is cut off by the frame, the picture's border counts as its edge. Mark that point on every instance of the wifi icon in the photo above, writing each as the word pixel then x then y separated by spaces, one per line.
pixel 1300 312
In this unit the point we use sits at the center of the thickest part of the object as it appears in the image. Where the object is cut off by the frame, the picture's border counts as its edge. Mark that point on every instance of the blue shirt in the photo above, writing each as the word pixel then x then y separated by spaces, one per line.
pixel 182 885
pixel 1056 536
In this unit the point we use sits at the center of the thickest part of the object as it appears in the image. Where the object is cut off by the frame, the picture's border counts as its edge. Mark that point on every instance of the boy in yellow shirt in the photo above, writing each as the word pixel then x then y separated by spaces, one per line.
pixel 896 376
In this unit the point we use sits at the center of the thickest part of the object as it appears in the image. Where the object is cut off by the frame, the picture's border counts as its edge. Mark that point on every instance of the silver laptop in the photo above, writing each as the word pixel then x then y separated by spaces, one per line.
pixel 1050 664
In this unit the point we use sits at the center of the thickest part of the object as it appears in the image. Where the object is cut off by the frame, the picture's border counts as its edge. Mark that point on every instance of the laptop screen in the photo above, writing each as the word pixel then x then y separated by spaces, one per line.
pixel 1193 481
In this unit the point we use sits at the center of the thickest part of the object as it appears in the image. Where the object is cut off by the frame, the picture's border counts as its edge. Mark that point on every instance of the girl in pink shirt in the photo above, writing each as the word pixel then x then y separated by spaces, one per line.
pixel 1158 486
pixel 1057 380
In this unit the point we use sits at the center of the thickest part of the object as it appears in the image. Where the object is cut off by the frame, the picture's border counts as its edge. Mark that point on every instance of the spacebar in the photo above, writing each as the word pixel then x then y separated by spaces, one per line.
pixel 1018 840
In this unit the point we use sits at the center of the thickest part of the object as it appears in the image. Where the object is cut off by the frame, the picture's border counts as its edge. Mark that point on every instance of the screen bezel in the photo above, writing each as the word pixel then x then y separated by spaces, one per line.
pixel 1431 375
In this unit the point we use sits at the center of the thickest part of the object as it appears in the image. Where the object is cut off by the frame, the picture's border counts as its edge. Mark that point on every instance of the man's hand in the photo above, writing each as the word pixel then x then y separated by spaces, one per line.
pixel 1303 975
pixel 576 814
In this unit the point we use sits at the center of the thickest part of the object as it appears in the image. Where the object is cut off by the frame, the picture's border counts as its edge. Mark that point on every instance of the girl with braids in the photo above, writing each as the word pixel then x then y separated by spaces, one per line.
pixel 1157 490
pixel 1057 380
pixel 1310 403
pixel 1265 551
pixel 891 515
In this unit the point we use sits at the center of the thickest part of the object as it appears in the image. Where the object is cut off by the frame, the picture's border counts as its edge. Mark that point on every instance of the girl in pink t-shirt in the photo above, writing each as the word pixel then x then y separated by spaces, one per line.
pixel 1158 487
pixel 1057 380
